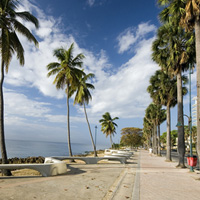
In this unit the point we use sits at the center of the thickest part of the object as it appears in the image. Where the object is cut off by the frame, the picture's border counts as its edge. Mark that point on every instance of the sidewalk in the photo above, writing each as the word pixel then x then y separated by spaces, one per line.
pixel 160 180
pixel 105 181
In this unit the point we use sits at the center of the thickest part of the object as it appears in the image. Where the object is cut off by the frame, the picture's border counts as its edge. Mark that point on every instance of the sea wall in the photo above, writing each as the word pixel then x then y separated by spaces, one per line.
pixel 16 160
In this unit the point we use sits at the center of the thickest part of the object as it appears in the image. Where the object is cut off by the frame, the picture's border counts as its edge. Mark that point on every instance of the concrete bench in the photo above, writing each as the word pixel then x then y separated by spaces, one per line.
pixel 52 168
pixel 118 153
pixel 89 160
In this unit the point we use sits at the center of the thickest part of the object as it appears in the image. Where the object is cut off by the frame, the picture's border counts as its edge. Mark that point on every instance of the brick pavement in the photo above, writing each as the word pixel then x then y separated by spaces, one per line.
pixel 161 180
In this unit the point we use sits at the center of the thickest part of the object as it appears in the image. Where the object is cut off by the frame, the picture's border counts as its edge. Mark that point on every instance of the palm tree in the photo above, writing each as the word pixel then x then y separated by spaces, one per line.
pixel 161 117
pixel 155 115
pixel 9 45
pixel 147 131
pixel 108 125
pixel 173 51
pixel 83 96
pixel 189 17
pixel 67 76
pixel 163 90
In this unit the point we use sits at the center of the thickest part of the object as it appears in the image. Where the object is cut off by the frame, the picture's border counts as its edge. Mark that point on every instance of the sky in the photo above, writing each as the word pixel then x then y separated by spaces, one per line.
pixel 116 37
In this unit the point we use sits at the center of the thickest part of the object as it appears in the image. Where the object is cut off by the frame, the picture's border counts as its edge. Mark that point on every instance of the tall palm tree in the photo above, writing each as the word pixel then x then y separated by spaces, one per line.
pixel 147 131
pixel 108 125
pixel 189 17
pixel 163 90
pixel 67 72
pixel 161 117
pixel 173 51
pixel 83 96
pixel 10 45
pixel 155 114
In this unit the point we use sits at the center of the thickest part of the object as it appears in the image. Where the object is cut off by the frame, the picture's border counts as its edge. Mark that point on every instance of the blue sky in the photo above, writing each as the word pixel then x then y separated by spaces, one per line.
pixel 115 36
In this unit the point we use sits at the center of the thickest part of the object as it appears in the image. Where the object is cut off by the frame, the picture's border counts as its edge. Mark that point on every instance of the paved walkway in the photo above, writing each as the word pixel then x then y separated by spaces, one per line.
pixel 160 180
pixel 144 177
pixel 104 181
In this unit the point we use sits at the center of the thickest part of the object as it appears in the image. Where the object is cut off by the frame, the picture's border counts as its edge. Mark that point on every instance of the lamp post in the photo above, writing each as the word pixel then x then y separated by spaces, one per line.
pixel 189 118
pixel 95 135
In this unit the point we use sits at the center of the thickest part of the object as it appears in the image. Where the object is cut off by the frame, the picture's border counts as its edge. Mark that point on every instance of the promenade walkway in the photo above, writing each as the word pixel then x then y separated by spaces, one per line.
pixel 144 177
pixel 160 180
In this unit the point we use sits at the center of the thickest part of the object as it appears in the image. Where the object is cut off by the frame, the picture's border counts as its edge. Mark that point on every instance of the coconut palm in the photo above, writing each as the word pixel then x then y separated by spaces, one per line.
pixel 173 51
pixel 10 27
pixel 82 97
pixel 108 125
pixel 163 90
pixel 67 72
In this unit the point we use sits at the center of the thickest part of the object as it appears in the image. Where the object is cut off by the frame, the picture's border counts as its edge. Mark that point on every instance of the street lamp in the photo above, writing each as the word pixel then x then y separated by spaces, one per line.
pixel 190 128
pixel 95 135
pixel 189 118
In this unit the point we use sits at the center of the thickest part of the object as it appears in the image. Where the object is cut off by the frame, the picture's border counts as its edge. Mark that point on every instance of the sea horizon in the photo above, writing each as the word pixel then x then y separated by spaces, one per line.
pixel 30 148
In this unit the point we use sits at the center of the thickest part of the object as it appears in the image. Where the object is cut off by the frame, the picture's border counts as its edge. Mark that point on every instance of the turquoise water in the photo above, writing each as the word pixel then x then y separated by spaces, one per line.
pixel 23 149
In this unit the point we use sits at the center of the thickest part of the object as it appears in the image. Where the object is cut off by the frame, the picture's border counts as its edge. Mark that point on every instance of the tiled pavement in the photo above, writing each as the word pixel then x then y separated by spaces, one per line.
pixel 157 179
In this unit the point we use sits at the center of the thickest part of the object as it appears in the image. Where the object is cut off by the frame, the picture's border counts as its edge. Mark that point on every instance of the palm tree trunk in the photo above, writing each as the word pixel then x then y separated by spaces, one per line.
pixel 155 147
pixel 2 136
pixel 153 139
pixel 181 138
pixel 111 142
pixel 159 150
pixel 95 153
pixel 197 42
pixel 168 153
pixel 68 123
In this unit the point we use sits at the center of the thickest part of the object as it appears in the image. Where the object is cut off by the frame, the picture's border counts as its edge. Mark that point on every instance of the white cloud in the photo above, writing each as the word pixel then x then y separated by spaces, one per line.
pixel 133 35
pixel 19 105
pixel 90 2
pixel 123 93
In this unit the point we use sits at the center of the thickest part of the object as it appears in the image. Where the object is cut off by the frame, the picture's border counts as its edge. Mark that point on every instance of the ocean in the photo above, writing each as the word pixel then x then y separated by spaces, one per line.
pixel 23 149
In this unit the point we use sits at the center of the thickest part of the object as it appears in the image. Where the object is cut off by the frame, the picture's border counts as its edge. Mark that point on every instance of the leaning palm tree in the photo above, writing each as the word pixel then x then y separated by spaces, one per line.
pixel 108 125
pixel 173 50
pixel 67 76
pixel 10 45
pixel 82 97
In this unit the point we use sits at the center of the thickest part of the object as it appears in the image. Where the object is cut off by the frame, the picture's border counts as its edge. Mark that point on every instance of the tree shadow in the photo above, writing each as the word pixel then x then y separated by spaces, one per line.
pixel 74 170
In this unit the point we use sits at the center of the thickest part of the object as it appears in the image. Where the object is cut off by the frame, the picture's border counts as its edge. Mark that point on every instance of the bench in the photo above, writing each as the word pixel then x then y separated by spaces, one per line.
pixel 118 153
pixel 52 168
pixel 88 160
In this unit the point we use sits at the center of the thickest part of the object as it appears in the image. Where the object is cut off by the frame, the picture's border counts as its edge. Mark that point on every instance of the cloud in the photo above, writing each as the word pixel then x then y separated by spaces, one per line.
pixel 18 104
pixel 133 35
pixel 122 91
pixel 90 2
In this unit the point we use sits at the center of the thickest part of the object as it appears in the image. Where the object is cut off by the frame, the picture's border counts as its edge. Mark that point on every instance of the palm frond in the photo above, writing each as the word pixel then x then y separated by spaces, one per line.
pixel 28 17
pixel 19 27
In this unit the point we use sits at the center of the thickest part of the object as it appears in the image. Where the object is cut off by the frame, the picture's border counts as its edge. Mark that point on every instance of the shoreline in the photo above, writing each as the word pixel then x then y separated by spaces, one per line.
pixel 40 159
